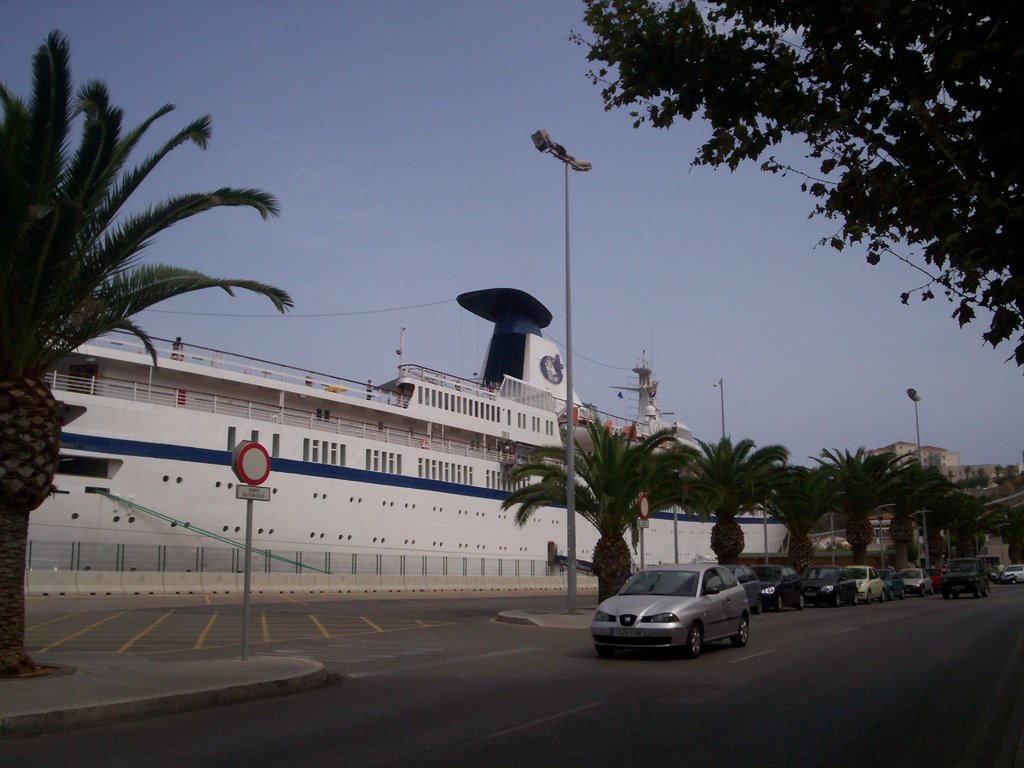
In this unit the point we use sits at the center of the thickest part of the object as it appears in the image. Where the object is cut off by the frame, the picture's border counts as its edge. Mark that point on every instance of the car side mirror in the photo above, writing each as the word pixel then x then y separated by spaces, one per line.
pixel 711 589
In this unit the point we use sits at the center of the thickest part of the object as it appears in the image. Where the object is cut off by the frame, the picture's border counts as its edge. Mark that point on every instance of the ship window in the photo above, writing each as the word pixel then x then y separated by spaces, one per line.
pixel 305 449
pixel 85 466
pixel 315 457
pixel 433 398
pixel 334 453
pixel 399 463
pixel 255 436
pixel 275 449
pixel 231 438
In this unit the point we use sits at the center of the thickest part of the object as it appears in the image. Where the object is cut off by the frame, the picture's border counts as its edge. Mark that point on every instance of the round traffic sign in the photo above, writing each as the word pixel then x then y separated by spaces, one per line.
pixel 643 506
pixel 250 462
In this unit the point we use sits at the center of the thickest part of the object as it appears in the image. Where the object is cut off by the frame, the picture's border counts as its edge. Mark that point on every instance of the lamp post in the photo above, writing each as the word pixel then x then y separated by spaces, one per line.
pixel 912 394
pixel 543 142
pixel 721 392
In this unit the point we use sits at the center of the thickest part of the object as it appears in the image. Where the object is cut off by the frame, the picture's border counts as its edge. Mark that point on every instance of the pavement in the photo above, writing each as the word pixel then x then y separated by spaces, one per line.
pixel 91 688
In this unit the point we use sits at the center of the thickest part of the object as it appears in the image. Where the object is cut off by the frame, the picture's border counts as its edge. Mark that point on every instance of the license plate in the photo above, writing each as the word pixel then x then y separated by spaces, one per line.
pixel 627 632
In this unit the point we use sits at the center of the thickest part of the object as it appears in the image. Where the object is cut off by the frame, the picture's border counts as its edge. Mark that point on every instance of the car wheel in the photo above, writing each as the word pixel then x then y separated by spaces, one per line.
pixel 945 595
pixel 800 602
pixel 604 651
pixel 867 600
pixel 739 640
pixel 836 602
pixel 694 641
pixel 758 606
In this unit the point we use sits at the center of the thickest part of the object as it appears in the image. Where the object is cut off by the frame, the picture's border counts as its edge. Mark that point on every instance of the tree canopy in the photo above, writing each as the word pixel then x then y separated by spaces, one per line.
pixel 908 110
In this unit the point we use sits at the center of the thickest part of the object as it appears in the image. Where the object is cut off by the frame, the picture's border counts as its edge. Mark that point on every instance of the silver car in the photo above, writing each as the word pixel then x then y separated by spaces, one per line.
pixel 917 581
pixel 673 606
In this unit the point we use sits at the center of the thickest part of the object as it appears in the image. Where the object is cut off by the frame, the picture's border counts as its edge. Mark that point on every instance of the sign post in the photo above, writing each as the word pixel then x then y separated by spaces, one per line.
pixel 643 508
pixel 251 464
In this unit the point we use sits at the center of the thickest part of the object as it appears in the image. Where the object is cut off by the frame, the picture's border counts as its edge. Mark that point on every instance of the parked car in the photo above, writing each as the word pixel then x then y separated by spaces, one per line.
pixel 1012 574
pixel 869 583
pixel 780 586
pixel 892 584
pixel 828 585
pixel 935 574
pixel 965 574
pixel 673 606
pixel 749 581
pixel 917 581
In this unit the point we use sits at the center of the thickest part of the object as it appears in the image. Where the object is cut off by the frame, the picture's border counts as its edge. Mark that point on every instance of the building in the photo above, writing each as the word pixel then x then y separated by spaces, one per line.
pixel 931 456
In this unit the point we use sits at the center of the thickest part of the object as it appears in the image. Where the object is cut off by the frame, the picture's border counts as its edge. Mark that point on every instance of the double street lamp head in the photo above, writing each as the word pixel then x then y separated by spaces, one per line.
pixel 543 142
pixel 912 394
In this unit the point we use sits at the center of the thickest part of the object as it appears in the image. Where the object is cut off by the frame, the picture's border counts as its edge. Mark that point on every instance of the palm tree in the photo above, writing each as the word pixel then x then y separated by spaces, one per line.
pixel 610 476
pixel 801 499
pixel 69 272
pixel 914 488
pixel 863 483
pixel 1012 531
pixel 728 479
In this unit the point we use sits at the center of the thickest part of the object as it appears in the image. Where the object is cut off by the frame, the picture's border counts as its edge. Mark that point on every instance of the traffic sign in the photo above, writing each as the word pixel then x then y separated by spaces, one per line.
pixel 250 462
pixel 252 492
pixel 643 506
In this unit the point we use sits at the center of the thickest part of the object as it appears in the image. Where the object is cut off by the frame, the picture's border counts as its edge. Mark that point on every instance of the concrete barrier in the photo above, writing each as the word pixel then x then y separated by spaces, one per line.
pixel 187 583
pixel 99 582
pixel 51 583
pixel 221 583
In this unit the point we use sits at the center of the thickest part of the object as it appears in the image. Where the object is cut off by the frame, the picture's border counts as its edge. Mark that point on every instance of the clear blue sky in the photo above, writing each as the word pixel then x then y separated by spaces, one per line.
pixel 397 137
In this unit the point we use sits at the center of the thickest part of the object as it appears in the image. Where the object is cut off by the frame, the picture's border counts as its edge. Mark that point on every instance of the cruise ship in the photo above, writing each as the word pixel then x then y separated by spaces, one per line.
pixel 388 485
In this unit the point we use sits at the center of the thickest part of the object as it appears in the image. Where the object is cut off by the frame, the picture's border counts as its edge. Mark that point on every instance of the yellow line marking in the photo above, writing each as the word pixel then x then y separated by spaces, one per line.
pixel 145 632
pixel 63 640
pixel 374 626
pixel 266 627
pixel 206 598
pixel 53 621
pixel 206 631
pixel 319 626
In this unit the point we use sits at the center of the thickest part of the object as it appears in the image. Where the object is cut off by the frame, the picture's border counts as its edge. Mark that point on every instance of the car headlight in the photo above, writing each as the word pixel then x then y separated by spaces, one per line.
pixel 602 616
pixel 827 588
pixel 768 591
pixel 660 618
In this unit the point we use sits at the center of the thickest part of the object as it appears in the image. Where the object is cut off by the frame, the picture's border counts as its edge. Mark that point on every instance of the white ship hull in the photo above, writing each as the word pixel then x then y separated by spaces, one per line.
pixel 410 475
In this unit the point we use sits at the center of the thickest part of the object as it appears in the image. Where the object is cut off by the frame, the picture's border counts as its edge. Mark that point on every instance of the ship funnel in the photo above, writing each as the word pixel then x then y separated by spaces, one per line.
pixel 516 316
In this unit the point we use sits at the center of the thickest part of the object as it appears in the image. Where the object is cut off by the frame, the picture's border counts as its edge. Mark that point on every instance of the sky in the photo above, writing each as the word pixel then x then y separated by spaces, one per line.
pixel 396 136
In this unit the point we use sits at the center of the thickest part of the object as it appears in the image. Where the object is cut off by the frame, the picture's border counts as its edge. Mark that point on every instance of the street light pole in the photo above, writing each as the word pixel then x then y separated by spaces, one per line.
pixel 543 142
pixel 912 394
pixel 721 392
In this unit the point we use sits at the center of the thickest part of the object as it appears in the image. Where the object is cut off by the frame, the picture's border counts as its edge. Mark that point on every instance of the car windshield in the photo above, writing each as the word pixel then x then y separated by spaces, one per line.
pixel 767 573
pixel 911 573
pixel 820 573
pixel 858 573
pixel 681 583
pixel 963 566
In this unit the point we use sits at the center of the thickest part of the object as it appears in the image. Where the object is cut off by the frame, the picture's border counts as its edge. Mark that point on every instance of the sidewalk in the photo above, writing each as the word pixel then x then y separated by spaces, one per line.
pixel 94 688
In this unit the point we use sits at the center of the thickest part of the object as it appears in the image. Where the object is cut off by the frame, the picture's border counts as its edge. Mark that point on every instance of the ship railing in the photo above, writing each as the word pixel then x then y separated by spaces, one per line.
pixel 143 392
pixel 448 381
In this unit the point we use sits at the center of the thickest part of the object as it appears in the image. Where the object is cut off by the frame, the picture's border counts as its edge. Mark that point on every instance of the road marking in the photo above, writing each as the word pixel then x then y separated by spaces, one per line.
pixel 753 656
pixel 319 626
pixel 378 629
pixel 444 663
pixel 266 627
pixel 144 632
pixel 847 629
pixel 543 720
pixel 201 640
pixel 63 640
pixel 52 621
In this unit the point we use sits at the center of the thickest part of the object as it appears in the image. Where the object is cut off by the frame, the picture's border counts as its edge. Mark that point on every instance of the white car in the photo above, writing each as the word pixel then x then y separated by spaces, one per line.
pixel 1012 574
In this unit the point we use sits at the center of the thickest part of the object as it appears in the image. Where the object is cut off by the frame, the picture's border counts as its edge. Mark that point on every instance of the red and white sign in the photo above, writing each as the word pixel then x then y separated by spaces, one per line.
pixel 250 462
pixel 643 506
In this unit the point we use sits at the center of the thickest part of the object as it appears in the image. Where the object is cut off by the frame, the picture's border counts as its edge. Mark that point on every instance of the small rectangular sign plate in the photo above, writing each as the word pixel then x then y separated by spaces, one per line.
pixel 252 492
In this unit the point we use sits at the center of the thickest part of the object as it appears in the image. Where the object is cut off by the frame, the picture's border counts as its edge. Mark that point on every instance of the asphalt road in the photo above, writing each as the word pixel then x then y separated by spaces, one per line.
pixel 432 681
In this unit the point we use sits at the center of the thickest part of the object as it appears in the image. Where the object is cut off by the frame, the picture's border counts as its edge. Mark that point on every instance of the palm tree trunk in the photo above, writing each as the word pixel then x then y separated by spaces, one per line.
pixel 29 450
pixel 801 552
pixel 727 540
pixel 859 533
pixel 611 560
pixel 901 531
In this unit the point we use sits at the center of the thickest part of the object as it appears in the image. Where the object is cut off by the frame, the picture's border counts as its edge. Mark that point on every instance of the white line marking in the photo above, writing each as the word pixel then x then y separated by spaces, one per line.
pixel 542 720
pixel 753 656
pixel 848 629
pixel 445 663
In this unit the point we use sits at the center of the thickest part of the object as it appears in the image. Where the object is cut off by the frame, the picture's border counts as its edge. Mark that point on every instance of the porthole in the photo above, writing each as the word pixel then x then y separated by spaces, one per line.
pixel 382 539
pixel 270 532
pixel 321 535
pixel 312 535
pixel 230 486
pixel 341 537
pixel 273 490
pixel 225 529
pixel 217 484
pixel 178 480
pixel 74 515
pixel 166 478
pixel 237 529
pixel 260 531
pixel 349 537
pixel 374 539
pixel 351 499
pixel 315 495
pixel 117 518
pixel 325 496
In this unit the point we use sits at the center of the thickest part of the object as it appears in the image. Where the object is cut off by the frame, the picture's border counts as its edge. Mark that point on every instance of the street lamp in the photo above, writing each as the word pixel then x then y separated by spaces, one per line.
pixel 721 391
pixel 543 142
pixel 912 394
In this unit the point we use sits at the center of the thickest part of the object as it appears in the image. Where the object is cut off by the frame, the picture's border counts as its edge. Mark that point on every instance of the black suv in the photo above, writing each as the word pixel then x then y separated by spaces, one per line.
pixel 965 574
